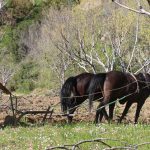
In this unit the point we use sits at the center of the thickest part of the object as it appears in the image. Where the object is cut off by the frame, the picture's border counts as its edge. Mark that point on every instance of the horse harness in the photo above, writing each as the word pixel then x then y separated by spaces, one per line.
pixel 138 88
pixel 147 82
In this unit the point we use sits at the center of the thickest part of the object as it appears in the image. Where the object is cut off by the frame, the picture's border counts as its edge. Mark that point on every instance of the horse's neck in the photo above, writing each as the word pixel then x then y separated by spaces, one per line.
pixel 147 79
pixel 148 73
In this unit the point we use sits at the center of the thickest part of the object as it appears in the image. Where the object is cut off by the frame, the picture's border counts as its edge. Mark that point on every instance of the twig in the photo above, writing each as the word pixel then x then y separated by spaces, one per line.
pixel 146 64
pixel 135 43
pixel 58 147
pixel 120 147
pixel 141 11
pixel 89 141
pixel 146 143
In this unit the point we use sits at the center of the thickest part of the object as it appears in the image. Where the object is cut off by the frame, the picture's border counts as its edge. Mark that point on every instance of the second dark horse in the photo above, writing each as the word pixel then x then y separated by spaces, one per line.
pixel 77 89
pixel 126 87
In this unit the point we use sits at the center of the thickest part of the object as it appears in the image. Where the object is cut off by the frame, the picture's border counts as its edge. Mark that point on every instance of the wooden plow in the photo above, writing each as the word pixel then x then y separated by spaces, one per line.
pixel 16 114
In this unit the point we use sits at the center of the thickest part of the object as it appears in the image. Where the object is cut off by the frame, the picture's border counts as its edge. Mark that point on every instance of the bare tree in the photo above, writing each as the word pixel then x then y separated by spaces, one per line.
pixel 6 68
pixel 95 41
pixel 60 66
pixel 143 63
pixel 80 48
pixel 6 65
pixel 96 46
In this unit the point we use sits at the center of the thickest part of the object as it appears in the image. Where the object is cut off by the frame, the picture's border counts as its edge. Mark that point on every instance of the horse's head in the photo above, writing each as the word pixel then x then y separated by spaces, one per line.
pixel 67 96
pixel 68 104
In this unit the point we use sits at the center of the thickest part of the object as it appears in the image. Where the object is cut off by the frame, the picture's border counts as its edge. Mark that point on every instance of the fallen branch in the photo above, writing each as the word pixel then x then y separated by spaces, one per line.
pixel 119 148
pixel 89 141
pixel 74 146
pixel 146 143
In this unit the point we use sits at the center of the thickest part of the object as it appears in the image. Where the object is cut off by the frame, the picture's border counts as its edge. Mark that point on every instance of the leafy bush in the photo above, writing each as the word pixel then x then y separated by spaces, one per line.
pixel 25 78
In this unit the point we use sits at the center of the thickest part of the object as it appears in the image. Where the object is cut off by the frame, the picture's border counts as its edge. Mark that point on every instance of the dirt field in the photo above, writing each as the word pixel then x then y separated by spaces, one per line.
pixel 40 100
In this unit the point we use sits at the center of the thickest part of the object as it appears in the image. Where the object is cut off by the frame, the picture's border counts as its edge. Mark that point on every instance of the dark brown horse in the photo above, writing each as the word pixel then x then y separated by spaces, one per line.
pixel 76 90
pixel 128 88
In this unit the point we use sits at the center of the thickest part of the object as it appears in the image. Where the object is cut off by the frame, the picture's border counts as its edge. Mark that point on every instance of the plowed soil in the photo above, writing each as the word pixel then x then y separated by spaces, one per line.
pixel 41 100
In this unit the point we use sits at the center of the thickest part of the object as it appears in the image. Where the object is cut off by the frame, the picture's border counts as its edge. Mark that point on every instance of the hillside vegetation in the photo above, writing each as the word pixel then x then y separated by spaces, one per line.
pixel 42 42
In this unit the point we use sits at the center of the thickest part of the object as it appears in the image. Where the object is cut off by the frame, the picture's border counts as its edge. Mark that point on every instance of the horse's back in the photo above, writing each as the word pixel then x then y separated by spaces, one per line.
pixel 83 81
pixel 115 79
pixel 97 82
pixel 115 85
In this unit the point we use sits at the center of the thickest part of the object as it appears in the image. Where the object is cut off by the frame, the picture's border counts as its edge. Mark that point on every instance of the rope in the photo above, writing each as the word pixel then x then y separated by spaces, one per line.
pixel 138 88
pixel 108 103
pixel 99 92
pixel 115 101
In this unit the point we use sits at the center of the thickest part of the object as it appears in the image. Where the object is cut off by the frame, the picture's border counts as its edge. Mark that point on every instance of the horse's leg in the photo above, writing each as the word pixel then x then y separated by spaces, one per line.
pixel 101 117
pixel 128 105
pixel 104 113
pixel 102 110
pixel 69 119
pixel 139 106
pixel 70 115
pixel 97 114
pixel 111 110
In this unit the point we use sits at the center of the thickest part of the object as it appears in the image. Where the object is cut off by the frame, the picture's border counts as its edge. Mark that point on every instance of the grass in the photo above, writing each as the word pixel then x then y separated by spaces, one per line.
pixel 39 138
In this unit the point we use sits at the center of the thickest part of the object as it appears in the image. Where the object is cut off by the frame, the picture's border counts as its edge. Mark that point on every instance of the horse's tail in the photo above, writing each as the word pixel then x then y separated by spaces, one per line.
pixel 96 87
pixel 66 92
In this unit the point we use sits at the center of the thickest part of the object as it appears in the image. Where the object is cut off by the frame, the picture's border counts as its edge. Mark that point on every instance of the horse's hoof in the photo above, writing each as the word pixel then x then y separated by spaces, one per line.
pixel 118 122
pixel 135 123
pixel 95 122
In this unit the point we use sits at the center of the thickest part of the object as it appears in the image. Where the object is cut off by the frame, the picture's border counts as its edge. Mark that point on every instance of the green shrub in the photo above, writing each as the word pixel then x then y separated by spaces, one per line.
pixel 25 78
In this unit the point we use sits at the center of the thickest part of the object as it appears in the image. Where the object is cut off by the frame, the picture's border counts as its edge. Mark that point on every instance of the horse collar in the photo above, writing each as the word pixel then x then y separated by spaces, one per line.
pixel 138 88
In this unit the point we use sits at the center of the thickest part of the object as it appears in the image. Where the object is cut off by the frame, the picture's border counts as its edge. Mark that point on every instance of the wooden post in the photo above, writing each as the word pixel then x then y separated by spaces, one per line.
pixel 43 121
pixel 13 110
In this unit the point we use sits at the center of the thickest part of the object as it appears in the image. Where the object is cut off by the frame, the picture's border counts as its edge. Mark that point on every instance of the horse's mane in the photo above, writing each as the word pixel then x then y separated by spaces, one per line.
pixel 67 87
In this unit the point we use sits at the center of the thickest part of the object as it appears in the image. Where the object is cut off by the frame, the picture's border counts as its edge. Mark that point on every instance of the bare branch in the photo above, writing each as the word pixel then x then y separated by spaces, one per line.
pixel 87 141
pixel 140 11
pixel 143 66
pixel 135 43
pixel 98 140
pixel 146 143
